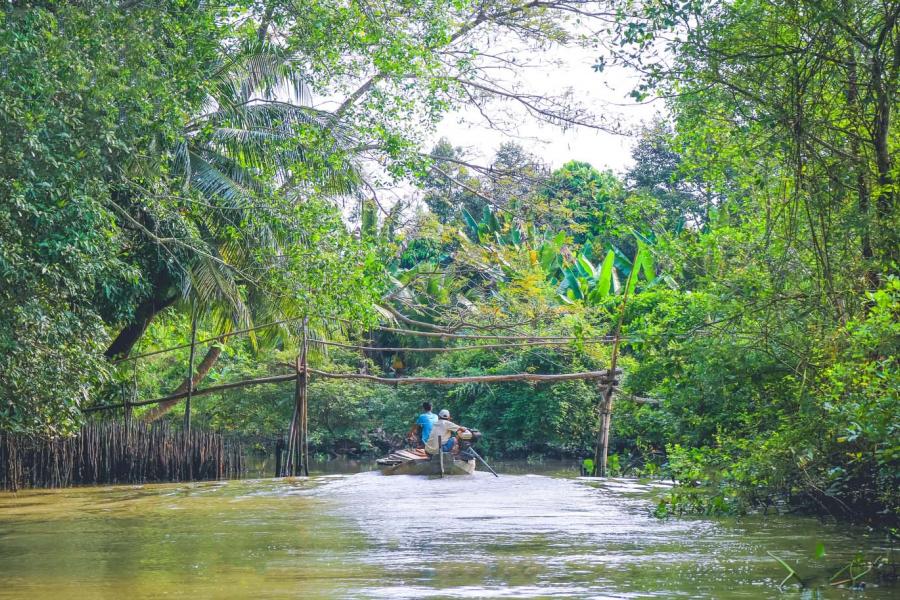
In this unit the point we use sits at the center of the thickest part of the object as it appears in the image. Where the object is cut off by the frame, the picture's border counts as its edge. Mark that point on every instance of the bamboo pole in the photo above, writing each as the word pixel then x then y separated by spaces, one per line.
pixel 566 342
pixel 205 341
pixel 303 372
pixel 456 326
pixel 298 446
pixel 531 377
pixel 412 332
pixel 293 447
pixel 210 390
pixel 301 433
pixel 190 376
pixel 601 452
pixel 472 336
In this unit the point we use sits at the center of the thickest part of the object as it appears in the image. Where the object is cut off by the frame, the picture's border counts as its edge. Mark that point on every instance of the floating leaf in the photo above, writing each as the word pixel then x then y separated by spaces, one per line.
pixel 820 550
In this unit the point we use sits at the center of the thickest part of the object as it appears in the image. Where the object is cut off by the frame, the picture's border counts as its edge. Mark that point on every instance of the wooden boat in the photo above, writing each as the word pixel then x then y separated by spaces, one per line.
pixel 418 462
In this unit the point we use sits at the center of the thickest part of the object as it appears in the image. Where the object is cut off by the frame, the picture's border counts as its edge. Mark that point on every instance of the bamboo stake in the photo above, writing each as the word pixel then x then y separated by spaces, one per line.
pixel 303 372
pixel 190 376
pixel 111 452
pixel 298 409
pixel 601 452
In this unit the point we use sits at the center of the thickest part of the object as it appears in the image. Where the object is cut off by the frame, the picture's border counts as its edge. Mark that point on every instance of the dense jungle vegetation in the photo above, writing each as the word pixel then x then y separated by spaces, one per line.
pixel 164 161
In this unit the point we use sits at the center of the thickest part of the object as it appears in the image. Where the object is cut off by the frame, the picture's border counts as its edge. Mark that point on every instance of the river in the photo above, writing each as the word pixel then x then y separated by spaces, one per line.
pixel 365 535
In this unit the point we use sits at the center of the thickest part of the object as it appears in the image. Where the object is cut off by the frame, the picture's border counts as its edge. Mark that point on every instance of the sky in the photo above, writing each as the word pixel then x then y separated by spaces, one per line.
pixel 604 93
pixel 552 72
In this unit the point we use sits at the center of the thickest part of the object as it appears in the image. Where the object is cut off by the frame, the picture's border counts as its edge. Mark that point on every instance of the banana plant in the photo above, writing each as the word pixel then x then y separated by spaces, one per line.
pixel 550 256
pixel 593 284
pixel 577 278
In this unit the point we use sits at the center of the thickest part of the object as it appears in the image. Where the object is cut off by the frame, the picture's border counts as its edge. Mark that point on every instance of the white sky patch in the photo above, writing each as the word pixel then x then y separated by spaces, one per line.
pixel 555 72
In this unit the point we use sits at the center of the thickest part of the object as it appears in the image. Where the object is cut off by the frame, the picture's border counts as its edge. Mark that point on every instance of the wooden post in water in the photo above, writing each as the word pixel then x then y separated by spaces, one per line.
pixel 188 447
pixel 279 448
pixel 290 458
pixel 296 460
pixel 304 399
pixel 601 451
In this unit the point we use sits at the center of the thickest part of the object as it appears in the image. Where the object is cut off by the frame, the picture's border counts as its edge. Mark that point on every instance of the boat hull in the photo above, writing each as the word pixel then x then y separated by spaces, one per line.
pixel 432 466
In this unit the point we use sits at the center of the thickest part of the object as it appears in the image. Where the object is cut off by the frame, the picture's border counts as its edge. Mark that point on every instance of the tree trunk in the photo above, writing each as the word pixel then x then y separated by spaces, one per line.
pixel 129 336
pixel 861 172
pixel 212 355
pixel 266 21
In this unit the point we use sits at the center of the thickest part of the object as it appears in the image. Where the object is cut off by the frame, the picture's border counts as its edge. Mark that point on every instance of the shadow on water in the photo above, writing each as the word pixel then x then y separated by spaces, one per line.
pixel 370 536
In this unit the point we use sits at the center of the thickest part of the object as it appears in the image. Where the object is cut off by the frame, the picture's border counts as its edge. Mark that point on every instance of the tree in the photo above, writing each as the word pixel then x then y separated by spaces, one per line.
pixel 514 176
pixel 658 171
pixel 449 186
pixel 583 200
pixel 86 87
pixel 784 112
pixel 225 162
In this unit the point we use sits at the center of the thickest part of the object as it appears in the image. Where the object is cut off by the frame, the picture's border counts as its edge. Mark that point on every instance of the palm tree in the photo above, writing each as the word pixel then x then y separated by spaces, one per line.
pixel 243 165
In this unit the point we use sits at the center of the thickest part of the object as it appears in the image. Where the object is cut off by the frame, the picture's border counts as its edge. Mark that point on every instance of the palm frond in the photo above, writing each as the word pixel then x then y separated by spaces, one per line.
pixel 213 284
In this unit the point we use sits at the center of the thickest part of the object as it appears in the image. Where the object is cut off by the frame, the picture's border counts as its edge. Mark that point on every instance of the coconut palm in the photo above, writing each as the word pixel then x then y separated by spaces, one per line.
pixel 250 157
pixel 245 166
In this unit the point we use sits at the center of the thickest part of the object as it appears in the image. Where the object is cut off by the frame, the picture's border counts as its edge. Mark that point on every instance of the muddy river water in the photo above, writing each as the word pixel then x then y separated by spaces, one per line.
pixel 365 535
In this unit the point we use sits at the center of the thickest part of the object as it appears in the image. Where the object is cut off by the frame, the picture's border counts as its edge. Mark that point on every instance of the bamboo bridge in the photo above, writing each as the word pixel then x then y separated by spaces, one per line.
pixel 297 446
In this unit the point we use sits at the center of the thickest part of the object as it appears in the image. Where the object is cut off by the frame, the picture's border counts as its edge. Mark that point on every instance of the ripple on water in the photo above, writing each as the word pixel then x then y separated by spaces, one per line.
pixel 372 536
pixel 536 536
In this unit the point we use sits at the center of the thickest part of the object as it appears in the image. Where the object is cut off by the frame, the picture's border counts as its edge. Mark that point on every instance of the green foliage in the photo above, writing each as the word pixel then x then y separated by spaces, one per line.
pixel 788 258
pixel 86 88
pixel 581 201
pixel 164 160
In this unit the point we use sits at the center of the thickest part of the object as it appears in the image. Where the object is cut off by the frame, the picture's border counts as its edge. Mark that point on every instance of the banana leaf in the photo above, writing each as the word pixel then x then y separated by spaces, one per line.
pixel 584 267
pixel 623 263
pixel 572 285
pixel 605 280
pixel 472 226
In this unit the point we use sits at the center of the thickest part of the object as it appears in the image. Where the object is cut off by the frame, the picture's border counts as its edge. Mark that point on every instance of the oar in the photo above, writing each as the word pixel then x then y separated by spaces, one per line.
pixel 478 456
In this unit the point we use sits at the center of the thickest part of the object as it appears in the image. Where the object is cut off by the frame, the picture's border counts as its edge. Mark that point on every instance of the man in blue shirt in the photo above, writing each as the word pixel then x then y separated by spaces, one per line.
pixel 422 427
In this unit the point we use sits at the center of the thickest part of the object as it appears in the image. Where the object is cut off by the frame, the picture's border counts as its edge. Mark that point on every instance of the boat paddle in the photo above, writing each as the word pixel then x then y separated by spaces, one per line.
pixel 478 456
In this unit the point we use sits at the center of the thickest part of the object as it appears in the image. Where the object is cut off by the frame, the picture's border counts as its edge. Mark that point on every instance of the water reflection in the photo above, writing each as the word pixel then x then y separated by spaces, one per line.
pixel 370 536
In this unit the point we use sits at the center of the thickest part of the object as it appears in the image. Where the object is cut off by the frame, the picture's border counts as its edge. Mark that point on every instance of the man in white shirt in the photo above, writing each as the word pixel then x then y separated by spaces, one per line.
pixel 443 430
